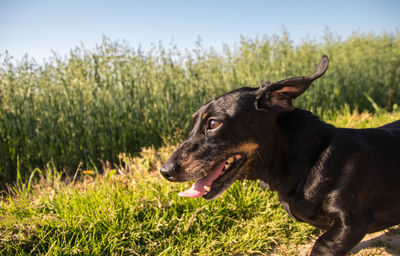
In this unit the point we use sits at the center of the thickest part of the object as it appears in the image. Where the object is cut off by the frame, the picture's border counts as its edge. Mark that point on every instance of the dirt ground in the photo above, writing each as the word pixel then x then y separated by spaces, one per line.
pixel 386 242
pixel 383 243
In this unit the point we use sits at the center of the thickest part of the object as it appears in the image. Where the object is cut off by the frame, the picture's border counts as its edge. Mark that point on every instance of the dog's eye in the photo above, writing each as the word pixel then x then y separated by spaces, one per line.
pixel 212 124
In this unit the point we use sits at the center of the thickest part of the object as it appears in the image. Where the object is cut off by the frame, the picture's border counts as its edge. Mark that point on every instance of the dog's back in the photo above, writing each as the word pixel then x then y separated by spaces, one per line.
pixel 394 125
pixel 371 172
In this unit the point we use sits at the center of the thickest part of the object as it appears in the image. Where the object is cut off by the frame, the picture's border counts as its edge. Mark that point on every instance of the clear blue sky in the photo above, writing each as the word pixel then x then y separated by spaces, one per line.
pixel 37 27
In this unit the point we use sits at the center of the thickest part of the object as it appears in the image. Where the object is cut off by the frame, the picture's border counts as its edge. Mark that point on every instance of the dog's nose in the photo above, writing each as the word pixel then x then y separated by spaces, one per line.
pixel 168 170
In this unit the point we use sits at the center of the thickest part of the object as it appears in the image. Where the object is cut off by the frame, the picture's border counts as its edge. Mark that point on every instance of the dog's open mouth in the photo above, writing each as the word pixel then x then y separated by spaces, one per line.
pixel 217 181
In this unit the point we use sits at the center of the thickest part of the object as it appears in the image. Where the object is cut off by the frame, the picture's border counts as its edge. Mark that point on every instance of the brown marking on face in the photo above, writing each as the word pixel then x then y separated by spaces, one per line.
pixel 204 116
pixel 248 147
pixel 187 163
pixel 194 168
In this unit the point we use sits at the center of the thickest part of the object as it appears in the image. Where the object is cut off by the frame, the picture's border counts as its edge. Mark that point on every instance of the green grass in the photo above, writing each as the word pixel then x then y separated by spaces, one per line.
pixel 137 214
pixel 129 210
pixel 95 103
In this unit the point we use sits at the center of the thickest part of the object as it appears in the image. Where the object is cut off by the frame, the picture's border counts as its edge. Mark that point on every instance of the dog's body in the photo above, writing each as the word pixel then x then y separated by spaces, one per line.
pixel 346 181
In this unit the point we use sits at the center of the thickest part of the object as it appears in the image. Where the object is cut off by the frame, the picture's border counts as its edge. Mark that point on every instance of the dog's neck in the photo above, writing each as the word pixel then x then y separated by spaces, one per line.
pixel 302 137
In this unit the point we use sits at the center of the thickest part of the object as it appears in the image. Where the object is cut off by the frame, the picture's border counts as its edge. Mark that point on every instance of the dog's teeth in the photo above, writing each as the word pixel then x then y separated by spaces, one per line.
pixel 207 188
pixel 230 160
pixel 227 166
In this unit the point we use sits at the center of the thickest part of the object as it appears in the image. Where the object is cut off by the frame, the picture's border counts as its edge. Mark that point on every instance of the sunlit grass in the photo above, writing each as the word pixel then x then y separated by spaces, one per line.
pixel 127 211
pixel 130 210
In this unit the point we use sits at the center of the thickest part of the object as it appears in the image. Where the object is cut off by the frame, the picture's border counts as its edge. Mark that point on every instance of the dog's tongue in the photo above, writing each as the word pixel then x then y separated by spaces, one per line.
pixel 197 189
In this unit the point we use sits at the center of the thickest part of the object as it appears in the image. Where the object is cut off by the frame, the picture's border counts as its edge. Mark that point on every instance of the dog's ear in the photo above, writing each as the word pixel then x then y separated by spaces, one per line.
pixel 278 96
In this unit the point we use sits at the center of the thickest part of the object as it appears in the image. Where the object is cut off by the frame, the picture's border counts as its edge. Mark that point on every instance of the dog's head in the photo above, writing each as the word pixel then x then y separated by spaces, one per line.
pixel 234 135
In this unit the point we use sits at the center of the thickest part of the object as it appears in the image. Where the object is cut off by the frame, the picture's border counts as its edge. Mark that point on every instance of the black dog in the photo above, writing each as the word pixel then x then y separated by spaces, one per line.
pixel 346 181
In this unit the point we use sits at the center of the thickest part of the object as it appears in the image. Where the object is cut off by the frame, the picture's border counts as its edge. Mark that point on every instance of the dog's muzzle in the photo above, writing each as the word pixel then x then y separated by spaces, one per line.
pixel 168 171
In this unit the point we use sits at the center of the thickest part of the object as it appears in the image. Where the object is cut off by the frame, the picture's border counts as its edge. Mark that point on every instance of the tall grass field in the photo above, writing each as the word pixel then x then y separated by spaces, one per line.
pixel 73 112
